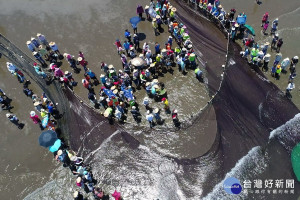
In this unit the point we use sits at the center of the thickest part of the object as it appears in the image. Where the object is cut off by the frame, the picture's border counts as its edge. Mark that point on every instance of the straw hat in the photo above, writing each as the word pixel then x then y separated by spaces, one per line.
pixel 192 54
pixel 115 91
pixel 190 46
pixel 78 180
pixel 42 110
pixel 38 34
pixel 32 113
pixel 34 53
pixel 156 86
pixel 157 9
pixel 79 59
pixel 267 43
pixel 32 38
pixel 152 65
pixel 148 83
pixel 155 81
pixel 186 34
pixel 148 112
pixel 120 71
pixel 75 194
pixel 102 75
pixel 220 6
pixel 110 66
pixel 41 47
pixel 154 19
pixel 141 55
pixel 155 110
pixel 174 9
pixel 8 115
pixel 83 80
pixel 146 7
pixel 66 72
pixel 131 48
pixel 59 152
pixel 73 158
pixel 28 42
pixel 175 111
pixel 111 71
pixel 36 103
pixel 170 37
pixel 133 108
pixel 157 17
pixel 236 25
pixel 113 87
pixel 52 43
pixel 163 50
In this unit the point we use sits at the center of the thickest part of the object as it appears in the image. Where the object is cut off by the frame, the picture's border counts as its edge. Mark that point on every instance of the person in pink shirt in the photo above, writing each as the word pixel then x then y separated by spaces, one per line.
pixel 34 117
pixel 265 27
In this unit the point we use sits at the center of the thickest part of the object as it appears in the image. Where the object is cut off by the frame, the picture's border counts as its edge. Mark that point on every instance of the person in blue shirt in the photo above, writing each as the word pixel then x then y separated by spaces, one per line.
pixel 127 35
pixel 134 27
pixel 157 48
pixel 126 46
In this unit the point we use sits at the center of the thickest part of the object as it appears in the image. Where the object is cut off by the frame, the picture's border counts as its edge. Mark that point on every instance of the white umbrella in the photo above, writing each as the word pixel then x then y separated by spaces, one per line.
pixel 137 62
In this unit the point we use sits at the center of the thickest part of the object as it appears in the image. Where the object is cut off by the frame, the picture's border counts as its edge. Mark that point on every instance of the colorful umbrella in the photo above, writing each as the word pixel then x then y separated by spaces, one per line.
pixel 135 20
pixel 250 29
pixel 55 146
pixel 47 138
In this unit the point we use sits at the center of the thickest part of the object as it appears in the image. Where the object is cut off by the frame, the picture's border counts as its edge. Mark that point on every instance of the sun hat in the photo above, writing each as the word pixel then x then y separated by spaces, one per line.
pixel 190 46
pixel 157 17
pixel 52 43
pixel 148 111
pixel 36 103
pixel 32 113
pixel 8 115
pixel 146 7
pixel 66 72
pixel 73 158
pixel 154 19
pixel 174 9
pixel 38 34
pixel 115 91
pixel 59 152
pixel 156 86
pixel 175 111
pixel 155 110
pixel 34 53
pixel 41 46
pixel 131 48
pixel 155 81
pixel 78 180
pixel 75 194
pixel 148 83
pixel 133 107
pixel 110 66
pixel 79 59
pixel 42 110
pixel 102 75
pixel 236 25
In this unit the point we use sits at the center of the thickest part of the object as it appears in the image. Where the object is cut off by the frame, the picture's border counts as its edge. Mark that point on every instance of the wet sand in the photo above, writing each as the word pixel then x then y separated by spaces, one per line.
pixel 24 164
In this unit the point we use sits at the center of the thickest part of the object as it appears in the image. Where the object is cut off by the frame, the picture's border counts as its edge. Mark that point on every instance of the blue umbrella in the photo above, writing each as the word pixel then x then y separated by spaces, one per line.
pixel 135 20
pixel 55 146
pixel 47 138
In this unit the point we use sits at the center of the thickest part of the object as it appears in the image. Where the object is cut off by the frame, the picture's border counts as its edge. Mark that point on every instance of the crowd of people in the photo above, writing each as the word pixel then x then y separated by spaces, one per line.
pixel 141 67
pixel 256 54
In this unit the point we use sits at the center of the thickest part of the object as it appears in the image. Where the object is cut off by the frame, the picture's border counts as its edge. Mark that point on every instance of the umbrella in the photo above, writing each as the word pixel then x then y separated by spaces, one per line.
pixel 47 138
pixel 135 20
pixel 250 29
pixel 55 146
pixel 137 62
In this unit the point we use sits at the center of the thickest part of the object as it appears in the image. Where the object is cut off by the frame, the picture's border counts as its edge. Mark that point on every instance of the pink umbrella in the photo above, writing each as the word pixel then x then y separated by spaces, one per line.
pixel 58 72
pixel 117 195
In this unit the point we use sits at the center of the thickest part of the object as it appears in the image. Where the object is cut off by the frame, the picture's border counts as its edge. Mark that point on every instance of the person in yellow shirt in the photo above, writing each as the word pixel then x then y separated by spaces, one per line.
pixel 154 26
pixel 166 103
